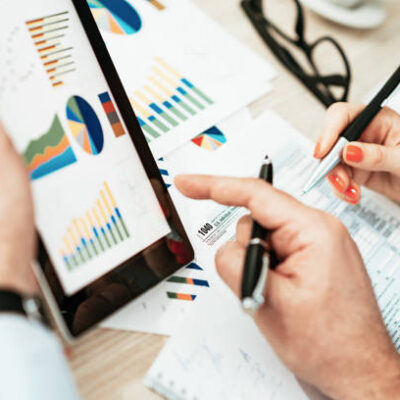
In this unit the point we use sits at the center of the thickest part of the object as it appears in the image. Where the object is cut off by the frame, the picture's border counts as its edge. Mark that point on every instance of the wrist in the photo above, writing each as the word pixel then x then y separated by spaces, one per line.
pixel 16 279
pixel 383 383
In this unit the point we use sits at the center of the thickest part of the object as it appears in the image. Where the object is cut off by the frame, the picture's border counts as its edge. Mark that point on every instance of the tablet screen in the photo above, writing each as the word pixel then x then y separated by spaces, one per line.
pixel 95 205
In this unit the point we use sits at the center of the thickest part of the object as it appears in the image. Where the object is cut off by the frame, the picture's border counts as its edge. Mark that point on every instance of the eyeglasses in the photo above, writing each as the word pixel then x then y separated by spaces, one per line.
pixel 324 86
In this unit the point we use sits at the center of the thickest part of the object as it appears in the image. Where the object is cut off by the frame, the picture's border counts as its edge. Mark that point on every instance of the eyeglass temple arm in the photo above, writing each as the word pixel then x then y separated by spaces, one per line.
pixel 256 4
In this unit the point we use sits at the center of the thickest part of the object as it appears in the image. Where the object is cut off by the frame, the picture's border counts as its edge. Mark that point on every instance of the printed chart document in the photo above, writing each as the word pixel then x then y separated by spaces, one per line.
pixel 164 307
pixel 219 354
pixel 183 73
pixel 202 355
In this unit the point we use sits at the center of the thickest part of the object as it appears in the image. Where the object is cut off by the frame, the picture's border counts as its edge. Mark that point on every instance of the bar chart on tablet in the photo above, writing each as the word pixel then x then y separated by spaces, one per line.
pixel 99 229
pixel 48 34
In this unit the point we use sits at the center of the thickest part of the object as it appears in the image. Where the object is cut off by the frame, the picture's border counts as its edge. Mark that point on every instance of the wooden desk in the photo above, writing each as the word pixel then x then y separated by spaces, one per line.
pixel 111 364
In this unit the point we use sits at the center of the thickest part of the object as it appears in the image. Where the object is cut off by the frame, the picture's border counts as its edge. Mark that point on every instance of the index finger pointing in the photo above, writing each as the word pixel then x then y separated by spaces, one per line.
pixel 269 206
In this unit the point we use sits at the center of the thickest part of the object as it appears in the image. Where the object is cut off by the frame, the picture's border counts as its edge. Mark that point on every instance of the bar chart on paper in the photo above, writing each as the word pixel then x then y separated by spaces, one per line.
pixel 167 100
pixel 157 4
pixel 189 281
pixel 48 34
pixel 99 229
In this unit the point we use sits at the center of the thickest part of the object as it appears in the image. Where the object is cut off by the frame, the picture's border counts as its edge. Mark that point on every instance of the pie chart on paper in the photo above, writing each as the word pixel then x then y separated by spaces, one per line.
pixel 211 139
pixel 85 125
pixel 115 16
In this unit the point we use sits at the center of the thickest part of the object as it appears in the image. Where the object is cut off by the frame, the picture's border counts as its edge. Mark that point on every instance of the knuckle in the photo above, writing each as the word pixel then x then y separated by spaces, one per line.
pixel 387 117
pixel 243 222
pixel 338 108
pixel 220 256
pixel 327 226
pixel 335 226
pixel 377 156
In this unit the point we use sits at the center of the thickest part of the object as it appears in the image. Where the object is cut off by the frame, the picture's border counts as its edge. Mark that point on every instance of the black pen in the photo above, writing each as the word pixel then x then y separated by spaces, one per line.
pixel 258 259
pixel 354 130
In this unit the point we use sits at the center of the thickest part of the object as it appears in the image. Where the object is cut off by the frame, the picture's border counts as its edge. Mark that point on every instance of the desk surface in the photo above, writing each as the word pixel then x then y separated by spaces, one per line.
pixel 111 364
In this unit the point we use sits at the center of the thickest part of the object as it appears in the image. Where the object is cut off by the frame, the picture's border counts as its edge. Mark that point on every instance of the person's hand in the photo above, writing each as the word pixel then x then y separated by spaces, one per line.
pixel 320 314
pixel 374 161
pixel 17 231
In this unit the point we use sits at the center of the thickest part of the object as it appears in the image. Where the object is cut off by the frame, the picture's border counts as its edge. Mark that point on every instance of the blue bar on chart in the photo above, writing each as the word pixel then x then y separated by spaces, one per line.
pixel 98 230
pixel 167 100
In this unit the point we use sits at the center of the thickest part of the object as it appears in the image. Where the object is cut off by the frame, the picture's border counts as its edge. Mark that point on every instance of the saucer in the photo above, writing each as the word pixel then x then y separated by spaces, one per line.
pixel 369 14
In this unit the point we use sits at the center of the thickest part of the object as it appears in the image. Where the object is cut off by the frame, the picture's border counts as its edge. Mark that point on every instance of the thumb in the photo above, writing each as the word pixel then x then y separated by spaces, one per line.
pixel 372 157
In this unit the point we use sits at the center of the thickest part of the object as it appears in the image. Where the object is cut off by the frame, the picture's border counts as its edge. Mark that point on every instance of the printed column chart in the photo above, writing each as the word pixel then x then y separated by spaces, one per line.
pixel 48 36
pixel 100 228
pixel 166 100
pixel 188 281
pixel 157 4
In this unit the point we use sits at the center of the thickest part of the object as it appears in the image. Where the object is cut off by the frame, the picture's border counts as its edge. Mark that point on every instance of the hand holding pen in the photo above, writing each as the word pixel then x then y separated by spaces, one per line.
pixel 305 298
pixel 259 258
pixel 373 162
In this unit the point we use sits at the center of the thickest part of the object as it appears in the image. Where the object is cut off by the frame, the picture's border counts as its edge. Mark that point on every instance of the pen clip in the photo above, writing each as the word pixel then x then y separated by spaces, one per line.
pixel 251 304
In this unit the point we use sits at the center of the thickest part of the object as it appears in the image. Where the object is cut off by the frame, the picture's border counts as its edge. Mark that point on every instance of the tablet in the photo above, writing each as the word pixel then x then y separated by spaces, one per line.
pixel 108 230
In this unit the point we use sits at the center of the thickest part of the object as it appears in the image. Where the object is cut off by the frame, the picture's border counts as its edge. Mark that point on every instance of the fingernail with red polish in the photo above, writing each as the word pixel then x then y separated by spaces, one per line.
pixel 353 154
pixel 317 150
pixel 338 183
pixel 352 195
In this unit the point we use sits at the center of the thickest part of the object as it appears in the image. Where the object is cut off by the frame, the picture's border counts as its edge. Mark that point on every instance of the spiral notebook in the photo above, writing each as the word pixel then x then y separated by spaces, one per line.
pixel 219 354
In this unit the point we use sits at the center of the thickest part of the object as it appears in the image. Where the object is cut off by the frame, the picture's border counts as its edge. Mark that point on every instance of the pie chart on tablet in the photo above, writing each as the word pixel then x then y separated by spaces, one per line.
pixel 115 16
pixel 85 125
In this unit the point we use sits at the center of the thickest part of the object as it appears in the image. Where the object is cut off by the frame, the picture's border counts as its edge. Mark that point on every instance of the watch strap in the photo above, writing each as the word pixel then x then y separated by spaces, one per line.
pixel 11 302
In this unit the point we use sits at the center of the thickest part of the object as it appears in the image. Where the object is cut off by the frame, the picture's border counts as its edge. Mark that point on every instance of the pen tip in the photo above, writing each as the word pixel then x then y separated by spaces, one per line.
pixel 267 160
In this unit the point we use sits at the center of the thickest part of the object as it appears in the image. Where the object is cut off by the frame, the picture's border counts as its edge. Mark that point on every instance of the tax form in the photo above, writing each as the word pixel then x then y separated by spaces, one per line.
pixel 373 224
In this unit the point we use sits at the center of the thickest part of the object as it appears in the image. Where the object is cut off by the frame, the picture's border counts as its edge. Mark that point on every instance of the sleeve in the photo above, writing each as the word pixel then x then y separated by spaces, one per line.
pixel 32 362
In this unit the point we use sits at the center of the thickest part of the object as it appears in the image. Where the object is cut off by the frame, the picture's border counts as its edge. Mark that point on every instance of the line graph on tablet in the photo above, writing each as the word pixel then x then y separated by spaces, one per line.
pixel 49 153
pixel 97 230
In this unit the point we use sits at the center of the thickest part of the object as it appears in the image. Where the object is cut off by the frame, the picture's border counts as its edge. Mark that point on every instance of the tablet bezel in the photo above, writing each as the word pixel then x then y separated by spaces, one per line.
pixel 48 279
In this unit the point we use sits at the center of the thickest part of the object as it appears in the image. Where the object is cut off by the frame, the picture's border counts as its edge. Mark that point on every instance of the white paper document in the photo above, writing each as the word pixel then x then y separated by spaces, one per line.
pixel 203 359
pixel 182 72
pixel 219 354
pixel 163 308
